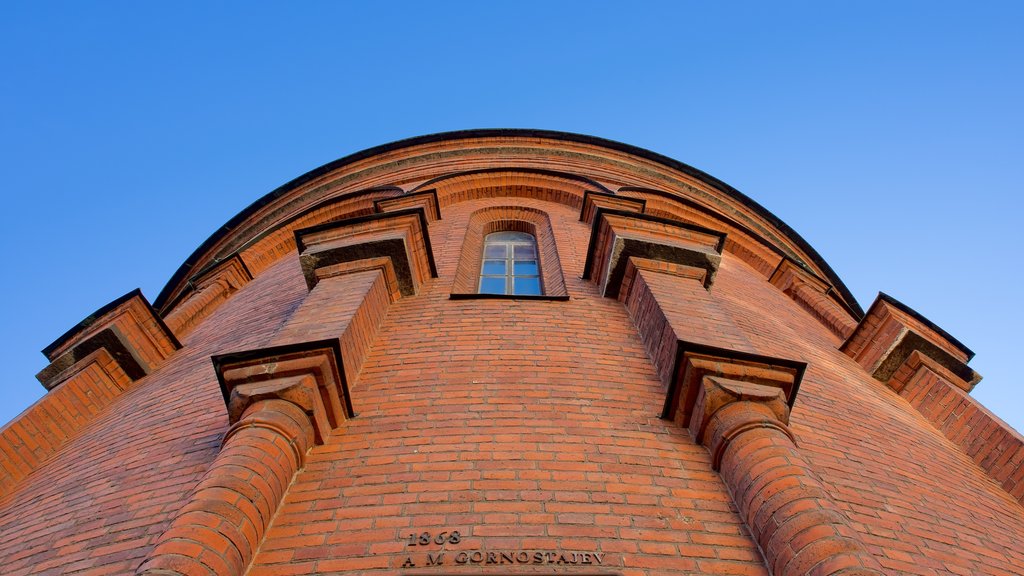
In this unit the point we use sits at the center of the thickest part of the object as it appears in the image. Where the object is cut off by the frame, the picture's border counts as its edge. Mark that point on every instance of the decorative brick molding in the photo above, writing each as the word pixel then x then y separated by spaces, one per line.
pixel 594 200
pixel 891 331
pixel 520 182
pixel 281 401
pixel 508 218
pixel 128 328
pixel 749 246
pixel 814 295
pixel 210 288
pixel 277 241
pixel 618 235
pixel 400 236
pixel 426 199
pixel 737 405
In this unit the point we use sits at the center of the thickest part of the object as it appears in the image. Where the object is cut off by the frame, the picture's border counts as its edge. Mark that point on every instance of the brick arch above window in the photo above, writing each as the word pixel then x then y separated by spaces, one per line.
pixel 509 219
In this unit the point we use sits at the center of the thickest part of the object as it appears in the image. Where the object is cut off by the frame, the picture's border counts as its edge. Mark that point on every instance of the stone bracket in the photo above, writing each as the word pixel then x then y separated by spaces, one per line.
pixel 592 201
pixel 308 374
pixel 207 290
pixel 618 235
pixel 697 362
pixel 231 272
pixel 128 329
pixel 400 235
pixel 426 199
pixel 815 295
pixel 891 333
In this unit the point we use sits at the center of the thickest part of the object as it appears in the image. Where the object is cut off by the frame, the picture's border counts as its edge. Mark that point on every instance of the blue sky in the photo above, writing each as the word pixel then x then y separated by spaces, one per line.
pixel 890 134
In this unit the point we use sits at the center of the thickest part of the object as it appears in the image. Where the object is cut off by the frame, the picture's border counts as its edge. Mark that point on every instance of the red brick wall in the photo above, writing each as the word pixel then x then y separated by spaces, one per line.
pixel 527 426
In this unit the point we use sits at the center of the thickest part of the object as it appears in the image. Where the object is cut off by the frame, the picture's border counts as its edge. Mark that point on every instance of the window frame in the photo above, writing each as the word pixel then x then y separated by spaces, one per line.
pixel 511 242
pixel 508 218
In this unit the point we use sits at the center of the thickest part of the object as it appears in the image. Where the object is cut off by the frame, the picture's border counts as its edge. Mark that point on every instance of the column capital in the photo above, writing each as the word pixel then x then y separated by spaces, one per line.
pixel 727 371
pixel 308 374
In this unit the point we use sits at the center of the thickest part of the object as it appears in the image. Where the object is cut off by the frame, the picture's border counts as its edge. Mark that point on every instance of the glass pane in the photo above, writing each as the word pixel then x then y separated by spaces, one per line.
pixel 525 252
pixel 527 286
pixel 509 237
pixel 494 267
pixel 492 285
pixel 494 251
pixel 524 267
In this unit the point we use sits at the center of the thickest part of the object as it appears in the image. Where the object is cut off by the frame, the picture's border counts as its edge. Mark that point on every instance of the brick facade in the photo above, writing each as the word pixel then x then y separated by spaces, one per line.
pixel 320 390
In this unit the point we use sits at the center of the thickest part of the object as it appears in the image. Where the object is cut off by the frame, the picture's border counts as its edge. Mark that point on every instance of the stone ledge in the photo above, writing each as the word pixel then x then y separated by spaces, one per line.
pixel 618 235
pixel 400 236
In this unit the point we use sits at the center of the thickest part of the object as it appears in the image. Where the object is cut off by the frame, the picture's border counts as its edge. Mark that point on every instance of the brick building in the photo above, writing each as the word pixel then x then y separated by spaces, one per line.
pixel 515 352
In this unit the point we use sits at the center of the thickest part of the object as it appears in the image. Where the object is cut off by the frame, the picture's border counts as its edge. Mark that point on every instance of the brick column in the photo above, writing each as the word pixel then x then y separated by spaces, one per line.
pixel 738 407
pixel 223 523
pixel 281 401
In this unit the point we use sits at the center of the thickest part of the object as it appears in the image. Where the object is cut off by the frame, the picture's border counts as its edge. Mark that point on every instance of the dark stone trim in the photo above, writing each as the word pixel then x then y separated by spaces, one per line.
pixel 588 265
pixel 672 395
pixel 273 353
pixel 527 169
pixel 394 249
pixel 92 318
pixel 110 339
pixel 883 297
pixel 698 206
pixel 184 270
pixel 912 341
pixel 473 296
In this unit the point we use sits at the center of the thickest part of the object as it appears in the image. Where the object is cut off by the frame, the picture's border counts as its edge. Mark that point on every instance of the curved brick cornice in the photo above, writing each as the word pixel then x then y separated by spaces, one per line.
pixel 411 162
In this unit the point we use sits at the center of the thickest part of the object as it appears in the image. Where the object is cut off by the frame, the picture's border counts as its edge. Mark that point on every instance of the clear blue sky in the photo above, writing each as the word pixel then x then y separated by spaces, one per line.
pixel 889 134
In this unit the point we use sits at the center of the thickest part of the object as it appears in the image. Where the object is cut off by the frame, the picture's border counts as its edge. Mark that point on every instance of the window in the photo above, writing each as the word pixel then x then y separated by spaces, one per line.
pixel 510 264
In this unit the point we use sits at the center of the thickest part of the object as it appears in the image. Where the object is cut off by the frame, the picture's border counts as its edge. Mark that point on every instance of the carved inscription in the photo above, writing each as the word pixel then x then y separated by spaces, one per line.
pixel 483 557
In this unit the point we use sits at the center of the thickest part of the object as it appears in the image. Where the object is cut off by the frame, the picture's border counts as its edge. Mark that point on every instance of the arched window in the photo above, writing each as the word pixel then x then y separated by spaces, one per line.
pixel 510 265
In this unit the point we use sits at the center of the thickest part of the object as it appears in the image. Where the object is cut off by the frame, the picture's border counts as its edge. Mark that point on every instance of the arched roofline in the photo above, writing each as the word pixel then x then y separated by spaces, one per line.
pixel 185 270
